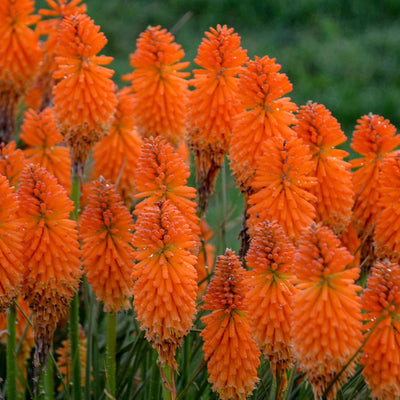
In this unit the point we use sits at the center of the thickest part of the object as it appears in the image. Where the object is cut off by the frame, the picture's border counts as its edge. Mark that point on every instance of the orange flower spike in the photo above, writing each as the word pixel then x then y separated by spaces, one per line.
pixel 282 187
pixel 20 56
pixel 229 349
pixel 39 132
pixel 162 174
pixel 11 248
pixel 116 155
pixel 270 258
pixel 105 230
pixel 214 102
pixel 334 190
pixel 159 85
pixel 51 253
pixel 84 98
pixel 12 162
pixel 165 277
pixel 374 137
pixel 265 114
pixel 381 353
pixel 40 94
pixel 326 323
pixel 387 228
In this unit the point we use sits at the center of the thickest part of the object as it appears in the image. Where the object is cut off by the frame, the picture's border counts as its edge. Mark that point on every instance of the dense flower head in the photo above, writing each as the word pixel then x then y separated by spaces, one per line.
pixel 387 228
pixel 326 320
pixel 11 248
pixel 213 103
pixel 51 252
pixel 12 162
pixel 39 96
pixel 381 353
pixel 105 230
pixel 116 156
pixel 265 114
pixel 159 85
pixel 374 137
pixel 334 190
pixel 229 349
pixel 282 186
pixel 84 97
pixel 19 51
pixel 270 259
pixel 162 174
pixel 39 132
pixel 165 286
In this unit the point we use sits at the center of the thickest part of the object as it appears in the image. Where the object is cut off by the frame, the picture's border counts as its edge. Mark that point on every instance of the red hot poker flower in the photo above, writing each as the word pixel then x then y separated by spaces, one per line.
pixel 11 248
pixel 20 56
pixel 334 190
pixel 162 174
pixel 51 253
pixel 374 137
pixel 387 228
pixel 326 322
pixel 84 98
pixel 12 162
pixel 105 229
pixel 265 114
pixel 165 287
pixel 116 155
pixel 159 85
pixel 39 132
pixel 270 258
pixel 282 187
pixel 381 353
pixel 213 103
pixel 229 349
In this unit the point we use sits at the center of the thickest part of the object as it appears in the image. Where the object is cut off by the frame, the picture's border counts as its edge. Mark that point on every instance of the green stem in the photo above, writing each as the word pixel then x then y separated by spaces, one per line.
pixel 74 307
pixel 49 381
pixel 169 392
pixel 224 205
pixel 11 354
pixel 111 341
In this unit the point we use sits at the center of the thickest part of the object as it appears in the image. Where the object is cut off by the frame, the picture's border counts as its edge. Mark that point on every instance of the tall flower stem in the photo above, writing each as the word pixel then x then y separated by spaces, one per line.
pixel 169 391
pixel 111 341
pixel 11 354
pixel 74 307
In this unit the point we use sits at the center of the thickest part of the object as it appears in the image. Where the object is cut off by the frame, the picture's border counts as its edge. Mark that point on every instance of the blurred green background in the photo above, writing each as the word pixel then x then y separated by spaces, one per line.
pixel 344 54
